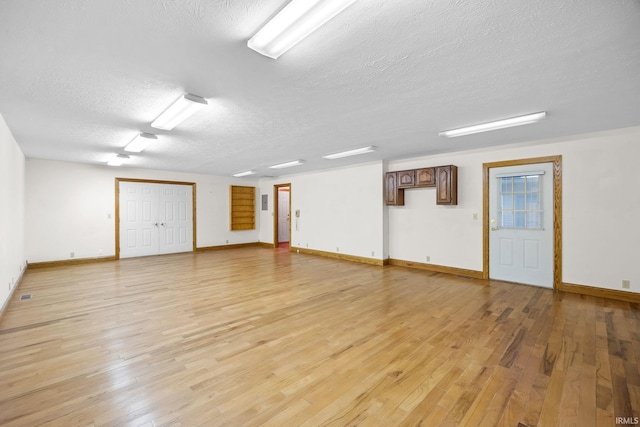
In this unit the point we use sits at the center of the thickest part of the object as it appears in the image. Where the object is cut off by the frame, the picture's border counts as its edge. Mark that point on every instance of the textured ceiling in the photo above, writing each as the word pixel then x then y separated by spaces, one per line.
pixel 79 78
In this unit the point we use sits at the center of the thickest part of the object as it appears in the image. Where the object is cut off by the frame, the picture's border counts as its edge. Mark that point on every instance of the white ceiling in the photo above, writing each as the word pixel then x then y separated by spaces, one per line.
pixel 79 78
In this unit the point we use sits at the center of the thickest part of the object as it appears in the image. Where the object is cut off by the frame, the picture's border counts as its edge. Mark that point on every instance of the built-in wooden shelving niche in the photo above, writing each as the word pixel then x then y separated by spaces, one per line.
pixel 243 208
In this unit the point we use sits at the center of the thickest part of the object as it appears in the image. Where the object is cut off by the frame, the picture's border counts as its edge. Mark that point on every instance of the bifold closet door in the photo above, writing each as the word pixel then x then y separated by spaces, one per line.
pixel 155 219
pixel 176 219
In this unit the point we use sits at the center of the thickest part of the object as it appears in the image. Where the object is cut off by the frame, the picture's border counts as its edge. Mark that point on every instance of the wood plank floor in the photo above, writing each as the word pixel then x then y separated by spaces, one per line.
pixel 250 337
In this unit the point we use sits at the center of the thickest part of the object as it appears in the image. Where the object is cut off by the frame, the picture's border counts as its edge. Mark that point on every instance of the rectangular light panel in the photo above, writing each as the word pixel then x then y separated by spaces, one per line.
pixel 498 124
pixel 292 24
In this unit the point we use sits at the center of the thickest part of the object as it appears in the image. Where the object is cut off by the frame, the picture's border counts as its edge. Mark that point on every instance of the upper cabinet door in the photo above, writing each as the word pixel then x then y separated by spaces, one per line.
pixel 392 195
pixel 447 185
pixel 426 177
pixel 406 179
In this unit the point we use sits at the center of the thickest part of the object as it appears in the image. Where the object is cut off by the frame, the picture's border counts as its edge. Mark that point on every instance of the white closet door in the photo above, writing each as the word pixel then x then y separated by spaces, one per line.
pixel 155 218
pixel 138 219
pixel 176 219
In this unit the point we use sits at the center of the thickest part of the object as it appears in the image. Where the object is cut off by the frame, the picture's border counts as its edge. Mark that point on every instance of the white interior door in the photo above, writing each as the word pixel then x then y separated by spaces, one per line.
pixel 138 219
pixel 175 219
pixel 283 215
pixel 155 218
pixel 521 224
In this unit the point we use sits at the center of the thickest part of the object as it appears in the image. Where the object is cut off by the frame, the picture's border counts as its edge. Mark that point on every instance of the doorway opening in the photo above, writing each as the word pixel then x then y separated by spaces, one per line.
pixel 282 216
pixel 493 253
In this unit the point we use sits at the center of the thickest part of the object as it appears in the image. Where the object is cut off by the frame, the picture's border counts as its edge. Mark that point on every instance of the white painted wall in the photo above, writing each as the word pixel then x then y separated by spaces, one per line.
pixel 601 208
pixel 339 208
pixel 70 207
pixel 343 208
pixel 12 207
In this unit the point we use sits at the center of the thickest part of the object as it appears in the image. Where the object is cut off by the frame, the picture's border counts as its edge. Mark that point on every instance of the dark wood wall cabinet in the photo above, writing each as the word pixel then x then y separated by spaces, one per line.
pixel 392 195
pixel 406 179
pixel 443 178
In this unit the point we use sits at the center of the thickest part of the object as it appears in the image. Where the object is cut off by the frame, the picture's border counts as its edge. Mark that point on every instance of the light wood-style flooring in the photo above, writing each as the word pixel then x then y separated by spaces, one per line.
pixel 253 337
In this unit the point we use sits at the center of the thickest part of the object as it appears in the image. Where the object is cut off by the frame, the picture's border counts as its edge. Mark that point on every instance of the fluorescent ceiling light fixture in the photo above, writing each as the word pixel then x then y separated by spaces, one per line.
pixel 179 111
pixel 118 160
pixel 292 24
pixel 140 142
pixel 287 164
pixel 239 174
pixel 499 124
pixel 348 153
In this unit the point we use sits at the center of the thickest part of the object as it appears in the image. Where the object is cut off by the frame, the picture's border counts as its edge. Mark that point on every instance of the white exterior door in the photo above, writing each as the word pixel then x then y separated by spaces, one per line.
pixel 155 218
pixel 521 224
pixel 283 215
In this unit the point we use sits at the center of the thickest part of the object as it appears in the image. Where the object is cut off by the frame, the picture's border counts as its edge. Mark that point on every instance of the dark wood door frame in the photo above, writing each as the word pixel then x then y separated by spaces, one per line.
pixel 557 211
pixel 152 181
pixel 276 218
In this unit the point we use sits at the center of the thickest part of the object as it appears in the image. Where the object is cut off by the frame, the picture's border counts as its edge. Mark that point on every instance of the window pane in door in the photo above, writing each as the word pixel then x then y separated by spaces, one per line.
pixel 507 219
pixel 518 184
pixel 506 185
pixel 534 220
pixel 507 201
pixel 520 202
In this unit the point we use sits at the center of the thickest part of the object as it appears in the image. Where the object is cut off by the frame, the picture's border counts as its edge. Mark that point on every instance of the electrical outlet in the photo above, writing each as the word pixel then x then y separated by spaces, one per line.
pixel 428 258
pixel 626 284
pixel 307 245
pixel 475 216
pixel 227 241
pixel 337 249
pixel 72 255
pixel 373 253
